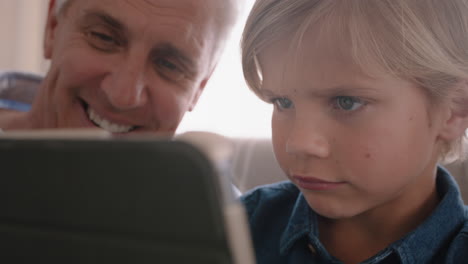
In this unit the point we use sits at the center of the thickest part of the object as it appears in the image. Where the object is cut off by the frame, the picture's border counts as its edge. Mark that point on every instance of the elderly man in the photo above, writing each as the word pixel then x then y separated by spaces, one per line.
pixel 125 65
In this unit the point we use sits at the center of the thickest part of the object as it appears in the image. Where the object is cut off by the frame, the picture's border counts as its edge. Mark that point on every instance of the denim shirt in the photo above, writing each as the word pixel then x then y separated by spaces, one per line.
pixel 284 229
pixel 17 90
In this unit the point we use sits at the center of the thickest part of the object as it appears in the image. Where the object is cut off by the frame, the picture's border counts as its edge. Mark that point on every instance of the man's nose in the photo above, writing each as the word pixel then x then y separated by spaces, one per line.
pixel 307 138
pixel 126 85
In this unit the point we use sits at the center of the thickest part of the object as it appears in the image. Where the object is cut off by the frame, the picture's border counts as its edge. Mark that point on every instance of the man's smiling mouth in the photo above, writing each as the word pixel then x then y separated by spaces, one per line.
pixel 106 124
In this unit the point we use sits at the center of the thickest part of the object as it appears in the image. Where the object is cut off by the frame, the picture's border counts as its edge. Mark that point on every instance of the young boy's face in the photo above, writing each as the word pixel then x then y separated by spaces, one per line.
pixel 352 143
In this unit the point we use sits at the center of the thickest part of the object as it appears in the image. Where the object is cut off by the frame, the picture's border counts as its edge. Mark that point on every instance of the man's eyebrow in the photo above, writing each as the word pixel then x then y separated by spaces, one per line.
pixel 97 15
pixel 162 49
pixel 169 50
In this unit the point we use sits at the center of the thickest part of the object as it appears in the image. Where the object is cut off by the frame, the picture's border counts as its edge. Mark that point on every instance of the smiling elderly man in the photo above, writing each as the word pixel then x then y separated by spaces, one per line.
pixel 123 65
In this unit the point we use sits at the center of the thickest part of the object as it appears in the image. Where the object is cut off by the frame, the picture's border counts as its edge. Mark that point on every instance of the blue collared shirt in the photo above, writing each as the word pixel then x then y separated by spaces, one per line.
pixel 284 229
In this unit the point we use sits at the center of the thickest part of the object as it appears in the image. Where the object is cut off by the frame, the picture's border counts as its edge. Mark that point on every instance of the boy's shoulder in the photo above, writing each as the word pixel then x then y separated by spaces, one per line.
pixel 464 230
pixel 457 252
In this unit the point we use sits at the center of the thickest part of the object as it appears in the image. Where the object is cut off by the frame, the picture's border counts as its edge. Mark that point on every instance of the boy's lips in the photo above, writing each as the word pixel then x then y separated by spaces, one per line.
pixel 314 184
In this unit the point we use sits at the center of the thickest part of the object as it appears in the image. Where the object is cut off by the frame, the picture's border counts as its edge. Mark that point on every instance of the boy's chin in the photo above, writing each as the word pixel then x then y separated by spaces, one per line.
pixel 334 210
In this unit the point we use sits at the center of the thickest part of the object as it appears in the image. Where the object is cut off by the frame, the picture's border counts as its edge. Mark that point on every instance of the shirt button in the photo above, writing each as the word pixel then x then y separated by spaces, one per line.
pixel 312 249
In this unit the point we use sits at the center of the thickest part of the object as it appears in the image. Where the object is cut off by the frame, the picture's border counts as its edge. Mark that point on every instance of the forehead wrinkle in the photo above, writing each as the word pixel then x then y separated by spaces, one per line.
pixel 169 9
pixel 97 14
pixel 162 10
pixel 185 40
pixel 155 14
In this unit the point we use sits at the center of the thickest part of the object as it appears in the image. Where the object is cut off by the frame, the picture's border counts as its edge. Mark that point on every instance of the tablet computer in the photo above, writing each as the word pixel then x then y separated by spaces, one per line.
pixel 94 198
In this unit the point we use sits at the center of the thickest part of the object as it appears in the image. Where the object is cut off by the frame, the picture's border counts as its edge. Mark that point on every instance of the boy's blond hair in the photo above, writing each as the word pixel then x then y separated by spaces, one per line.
pixel 422 41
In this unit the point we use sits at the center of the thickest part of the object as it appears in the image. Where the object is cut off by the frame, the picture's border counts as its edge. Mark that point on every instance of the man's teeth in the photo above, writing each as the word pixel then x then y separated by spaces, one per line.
pixel 106 124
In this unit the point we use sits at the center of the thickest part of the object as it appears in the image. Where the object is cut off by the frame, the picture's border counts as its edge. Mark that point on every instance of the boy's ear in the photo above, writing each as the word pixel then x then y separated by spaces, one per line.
pixel 50 27
pixel 456 121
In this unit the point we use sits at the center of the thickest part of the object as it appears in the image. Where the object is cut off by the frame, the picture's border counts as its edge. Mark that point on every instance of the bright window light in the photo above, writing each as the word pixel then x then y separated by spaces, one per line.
pixel 227 106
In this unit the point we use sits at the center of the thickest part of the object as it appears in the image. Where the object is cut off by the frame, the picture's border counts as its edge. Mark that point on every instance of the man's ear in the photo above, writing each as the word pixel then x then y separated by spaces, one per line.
pixel 50 27
pixel 200 89
pixel 456 121
pixel 198 93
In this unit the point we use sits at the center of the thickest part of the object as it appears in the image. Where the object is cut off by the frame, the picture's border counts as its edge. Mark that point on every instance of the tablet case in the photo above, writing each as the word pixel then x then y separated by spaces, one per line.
pixel 111 201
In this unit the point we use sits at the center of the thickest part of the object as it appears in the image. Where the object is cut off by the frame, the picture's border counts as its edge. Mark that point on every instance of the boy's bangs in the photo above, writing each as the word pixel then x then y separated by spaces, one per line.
pixel 357 35
pixel 376 36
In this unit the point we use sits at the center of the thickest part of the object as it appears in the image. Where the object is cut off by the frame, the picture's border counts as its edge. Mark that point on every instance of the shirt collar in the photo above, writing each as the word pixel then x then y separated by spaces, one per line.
pixel 300 224
pixel 442 225
pixel 430 236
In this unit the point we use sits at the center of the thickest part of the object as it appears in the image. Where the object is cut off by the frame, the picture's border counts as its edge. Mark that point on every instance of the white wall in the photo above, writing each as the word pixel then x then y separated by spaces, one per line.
pixel 21 29
pixel 226 107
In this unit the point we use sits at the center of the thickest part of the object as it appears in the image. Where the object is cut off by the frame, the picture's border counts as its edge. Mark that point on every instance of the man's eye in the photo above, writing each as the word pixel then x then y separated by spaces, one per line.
pixel 282 103
pixel 347 103
pixel 103 41
pixel 167 64
pixel 169 70
pixel 103 37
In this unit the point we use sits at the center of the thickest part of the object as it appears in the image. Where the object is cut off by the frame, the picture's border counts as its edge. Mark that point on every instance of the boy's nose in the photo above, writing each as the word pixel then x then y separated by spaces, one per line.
pixel 126 86
pixel 307 139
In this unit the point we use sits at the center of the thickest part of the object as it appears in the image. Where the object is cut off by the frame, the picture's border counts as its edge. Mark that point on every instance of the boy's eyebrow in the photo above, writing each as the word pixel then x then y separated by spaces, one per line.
pixel 341 89
pixel 321 92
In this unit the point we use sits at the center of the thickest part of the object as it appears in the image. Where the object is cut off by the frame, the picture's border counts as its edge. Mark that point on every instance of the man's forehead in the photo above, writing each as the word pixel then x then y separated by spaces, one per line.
pixel 199 27
pixel 223 12
pixel 156 24
pixel 158 7
pixel 155 15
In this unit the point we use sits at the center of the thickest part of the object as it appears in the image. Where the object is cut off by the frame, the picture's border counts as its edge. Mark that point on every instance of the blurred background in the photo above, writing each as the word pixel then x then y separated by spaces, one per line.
pixel 227 106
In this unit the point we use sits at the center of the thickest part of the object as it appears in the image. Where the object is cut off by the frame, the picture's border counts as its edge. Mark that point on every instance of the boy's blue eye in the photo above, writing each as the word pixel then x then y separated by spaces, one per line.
pixel 348 103
pixel 282 103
